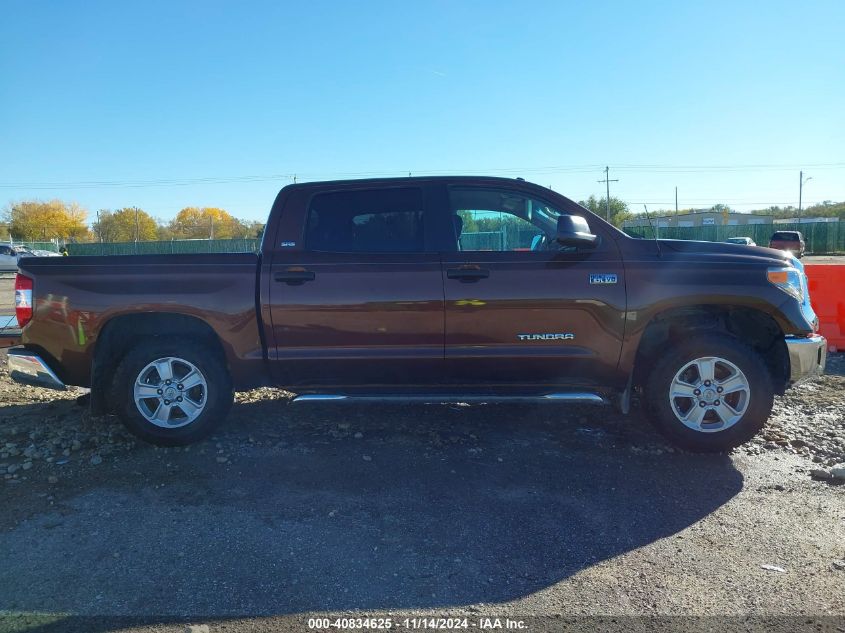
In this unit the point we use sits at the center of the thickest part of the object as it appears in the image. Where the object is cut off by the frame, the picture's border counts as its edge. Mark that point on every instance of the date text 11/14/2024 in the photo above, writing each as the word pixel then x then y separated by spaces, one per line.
pixel 421 623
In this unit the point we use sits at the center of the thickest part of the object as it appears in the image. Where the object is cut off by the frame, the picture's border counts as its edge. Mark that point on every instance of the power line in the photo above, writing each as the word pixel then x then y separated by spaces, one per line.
pixel 298 176
pixel 738 167
pixel 710 201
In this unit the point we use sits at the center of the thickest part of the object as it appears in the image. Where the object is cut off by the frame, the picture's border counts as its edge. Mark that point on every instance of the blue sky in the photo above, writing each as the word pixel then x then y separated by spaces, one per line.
pixel 170 104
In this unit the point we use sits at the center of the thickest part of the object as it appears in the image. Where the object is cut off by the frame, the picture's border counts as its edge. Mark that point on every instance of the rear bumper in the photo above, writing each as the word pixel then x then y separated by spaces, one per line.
pixel 807 357
pixel 28 368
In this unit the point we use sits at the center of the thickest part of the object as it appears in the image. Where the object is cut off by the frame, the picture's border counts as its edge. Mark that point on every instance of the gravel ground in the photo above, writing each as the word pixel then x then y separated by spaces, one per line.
pixel 424 510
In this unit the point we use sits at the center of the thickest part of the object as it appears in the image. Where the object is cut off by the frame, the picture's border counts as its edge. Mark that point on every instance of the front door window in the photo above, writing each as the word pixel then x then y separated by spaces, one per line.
pixel 496 220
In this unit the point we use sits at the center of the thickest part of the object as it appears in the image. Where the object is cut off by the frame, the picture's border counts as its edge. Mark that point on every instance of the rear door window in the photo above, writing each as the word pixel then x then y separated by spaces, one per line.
pixel 366 221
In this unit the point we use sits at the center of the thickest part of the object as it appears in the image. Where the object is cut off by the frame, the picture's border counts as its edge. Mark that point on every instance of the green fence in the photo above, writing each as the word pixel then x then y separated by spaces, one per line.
pixel 508 239
pixel 165 248
pixel 822 238
pixel 483 241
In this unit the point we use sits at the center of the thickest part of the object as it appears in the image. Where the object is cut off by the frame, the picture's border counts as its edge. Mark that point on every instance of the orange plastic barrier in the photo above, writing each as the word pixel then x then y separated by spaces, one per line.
pixel 827 294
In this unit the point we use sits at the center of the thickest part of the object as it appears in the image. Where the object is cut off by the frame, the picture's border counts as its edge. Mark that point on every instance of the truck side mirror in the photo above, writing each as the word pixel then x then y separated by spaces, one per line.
pixel 573 230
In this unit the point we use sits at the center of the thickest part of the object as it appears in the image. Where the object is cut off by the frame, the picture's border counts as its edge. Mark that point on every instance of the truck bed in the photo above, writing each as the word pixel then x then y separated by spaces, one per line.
pixel 75 297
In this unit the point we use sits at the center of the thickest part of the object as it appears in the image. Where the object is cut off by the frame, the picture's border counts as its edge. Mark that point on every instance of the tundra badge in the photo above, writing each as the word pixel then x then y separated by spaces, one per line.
pixel 606 278
pixel 546 337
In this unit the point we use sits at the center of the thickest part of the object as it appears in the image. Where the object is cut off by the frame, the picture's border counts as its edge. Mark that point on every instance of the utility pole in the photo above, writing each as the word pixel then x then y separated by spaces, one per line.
pixel 137 229
pixel 99 232
pixel 676 200
pixel 801 182
pixel 211 234
pixel 800 192
pixel 607 181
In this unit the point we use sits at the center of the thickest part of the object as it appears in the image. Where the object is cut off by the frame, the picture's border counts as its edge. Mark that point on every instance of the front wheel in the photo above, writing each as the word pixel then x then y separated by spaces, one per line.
pixel 710 393
pixel 171 391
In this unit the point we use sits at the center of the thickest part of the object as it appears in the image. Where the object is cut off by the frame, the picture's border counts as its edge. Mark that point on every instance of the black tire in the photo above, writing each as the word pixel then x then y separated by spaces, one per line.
pixel 761 392
pixel 217 394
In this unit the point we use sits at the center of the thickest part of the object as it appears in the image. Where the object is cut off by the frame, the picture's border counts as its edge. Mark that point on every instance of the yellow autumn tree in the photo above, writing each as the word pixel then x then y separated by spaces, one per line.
pixel 205 223
pixel 37 220
pixel 126 225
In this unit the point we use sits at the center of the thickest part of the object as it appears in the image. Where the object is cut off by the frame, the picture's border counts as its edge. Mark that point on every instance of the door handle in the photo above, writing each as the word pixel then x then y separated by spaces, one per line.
pixel 294 277
pixel 467 274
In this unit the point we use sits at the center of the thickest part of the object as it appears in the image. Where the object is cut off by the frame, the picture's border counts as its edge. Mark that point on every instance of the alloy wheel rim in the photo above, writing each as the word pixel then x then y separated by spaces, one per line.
pixel 170 392
pixel 709 394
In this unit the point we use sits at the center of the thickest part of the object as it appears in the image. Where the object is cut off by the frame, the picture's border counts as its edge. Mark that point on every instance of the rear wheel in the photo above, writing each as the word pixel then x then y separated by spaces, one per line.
pixel 710 393
pixel 171 391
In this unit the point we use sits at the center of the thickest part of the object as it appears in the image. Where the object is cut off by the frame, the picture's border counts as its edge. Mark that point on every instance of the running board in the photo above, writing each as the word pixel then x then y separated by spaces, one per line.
pixel 571 398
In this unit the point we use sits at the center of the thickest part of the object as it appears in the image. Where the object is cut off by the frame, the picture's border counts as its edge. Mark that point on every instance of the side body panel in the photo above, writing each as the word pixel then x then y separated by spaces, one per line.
pixel 76 296
pixel 694 274
pixel 362 320
pixel 535 319
pixel 371 319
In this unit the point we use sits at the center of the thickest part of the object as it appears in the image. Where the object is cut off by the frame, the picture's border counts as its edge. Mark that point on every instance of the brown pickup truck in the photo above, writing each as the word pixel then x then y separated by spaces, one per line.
pixel 791 241
pixel 466 289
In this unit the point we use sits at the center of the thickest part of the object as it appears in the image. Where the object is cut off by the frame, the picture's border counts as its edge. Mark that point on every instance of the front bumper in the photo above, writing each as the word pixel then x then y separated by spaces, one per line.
pixel 28 368
pixel 807 357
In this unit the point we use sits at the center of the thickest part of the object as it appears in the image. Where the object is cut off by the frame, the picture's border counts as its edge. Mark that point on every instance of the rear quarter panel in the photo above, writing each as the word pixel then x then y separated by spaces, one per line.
pixel 75 297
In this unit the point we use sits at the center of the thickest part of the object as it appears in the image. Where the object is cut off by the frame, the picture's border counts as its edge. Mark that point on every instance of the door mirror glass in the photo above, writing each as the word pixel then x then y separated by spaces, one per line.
pixel 573 230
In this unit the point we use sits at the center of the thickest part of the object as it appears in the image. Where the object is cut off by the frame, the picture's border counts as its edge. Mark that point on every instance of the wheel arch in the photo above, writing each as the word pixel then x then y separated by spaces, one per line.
pixel 754 327
pixel 122 332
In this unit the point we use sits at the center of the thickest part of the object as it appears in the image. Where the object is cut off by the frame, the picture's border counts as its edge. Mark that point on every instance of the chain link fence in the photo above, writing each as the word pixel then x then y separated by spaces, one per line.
pixel 508 239
pixel 822 238
pixel 170 247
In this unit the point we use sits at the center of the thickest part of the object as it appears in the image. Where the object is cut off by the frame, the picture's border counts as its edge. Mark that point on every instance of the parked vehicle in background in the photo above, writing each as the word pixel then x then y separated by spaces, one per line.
pixel 791 241
pixel 366 290
pixel 26 251
pixel 8 258
pixel 11 254
pixel 747 241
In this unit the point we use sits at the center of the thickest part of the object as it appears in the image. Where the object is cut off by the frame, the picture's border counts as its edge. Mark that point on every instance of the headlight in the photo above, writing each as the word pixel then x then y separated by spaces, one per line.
pixel 787 279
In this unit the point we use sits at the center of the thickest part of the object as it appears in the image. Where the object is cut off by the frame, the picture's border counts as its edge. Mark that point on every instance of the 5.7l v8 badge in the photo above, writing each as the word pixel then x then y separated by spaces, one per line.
pixel 603 278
